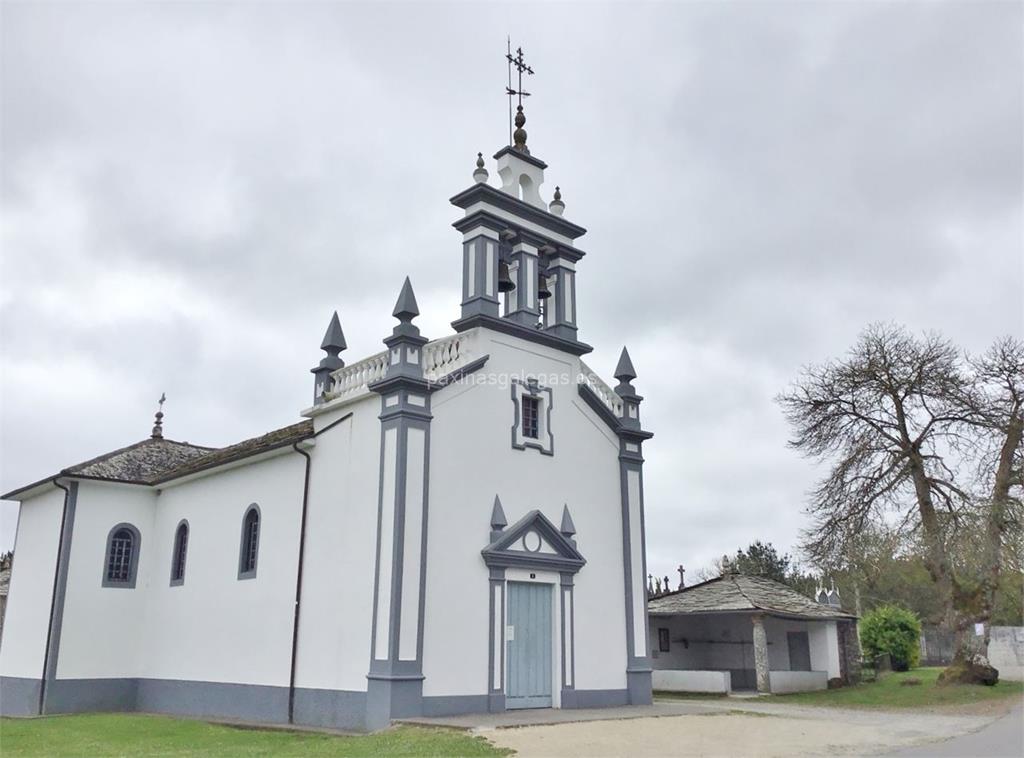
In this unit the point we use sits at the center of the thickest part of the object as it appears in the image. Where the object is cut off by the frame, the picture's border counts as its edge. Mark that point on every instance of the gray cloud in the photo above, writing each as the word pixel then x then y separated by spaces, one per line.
pixel 190 189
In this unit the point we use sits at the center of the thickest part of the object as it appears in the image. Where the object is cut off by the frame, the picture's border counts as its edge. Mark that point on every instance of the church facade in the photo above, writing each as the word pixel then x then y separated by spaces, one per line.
pixel 455 525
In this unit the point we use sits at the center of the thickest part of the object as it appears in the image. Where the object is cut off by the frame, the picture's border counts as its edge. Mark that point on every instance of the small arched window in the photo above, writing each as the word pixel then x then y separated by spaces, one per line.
pixel 178 553
pixel 122 557
pixel 250 546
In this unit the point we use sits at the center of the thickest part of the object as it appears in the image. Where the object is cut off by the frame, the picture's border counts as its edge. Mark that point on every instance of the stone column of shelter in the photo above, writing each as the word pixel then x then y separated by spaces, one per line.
pixel 761 654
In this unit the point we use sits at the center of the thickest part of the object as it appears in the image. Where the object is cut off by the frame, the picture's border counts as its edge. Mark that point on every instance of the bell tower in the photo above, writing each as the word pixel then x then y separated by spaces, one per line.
pixel 519 252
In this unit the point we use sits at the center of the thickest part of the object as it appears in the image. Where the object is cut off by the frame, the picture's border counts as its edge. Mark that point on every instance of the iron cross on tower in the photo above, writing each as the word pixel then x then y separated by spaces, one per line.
pixel 519 62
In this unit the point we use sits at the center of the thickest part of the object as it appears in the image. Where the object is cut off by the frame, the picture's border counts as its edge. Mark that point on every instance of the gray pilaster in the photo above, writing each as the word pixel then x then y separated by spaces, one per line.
pixel 527 263
pixel 480 274
pixel 631 439
pixel 562 319
pixel 60 588
pixel 395 677
pixel 568 626
pixel 496 641
pixel 761 654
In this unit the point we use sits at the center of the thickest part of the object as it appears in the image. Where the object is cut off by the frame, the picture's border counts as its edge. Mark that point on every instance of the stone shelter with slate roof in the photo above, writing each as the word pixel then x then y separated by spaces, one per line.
pixel 739 632
pixel 421 543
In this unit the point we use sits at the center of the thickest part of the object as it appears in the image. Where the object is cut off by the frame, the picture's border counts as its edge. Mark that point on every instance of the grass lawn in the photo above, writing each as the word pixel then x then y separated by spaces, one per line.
pixel 90 735
pixel 887 692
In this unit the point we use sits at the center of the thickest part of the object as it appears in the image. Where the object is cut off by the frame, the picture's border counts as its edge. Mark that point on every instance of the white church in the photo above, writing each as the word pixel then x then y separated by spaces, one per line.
pixel 455 526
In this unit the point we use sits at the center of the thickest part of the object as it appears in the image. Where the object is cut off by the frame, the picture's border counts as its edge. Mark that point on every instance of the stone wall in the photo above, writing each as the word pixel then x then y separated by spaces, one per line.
pixel 849 652
pixel 1006 651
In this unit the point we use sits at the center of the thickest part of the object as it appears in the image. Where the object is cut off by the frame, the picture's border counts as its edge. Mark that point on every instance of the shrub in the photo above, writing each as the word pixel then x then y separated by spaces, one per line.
pixel 893 630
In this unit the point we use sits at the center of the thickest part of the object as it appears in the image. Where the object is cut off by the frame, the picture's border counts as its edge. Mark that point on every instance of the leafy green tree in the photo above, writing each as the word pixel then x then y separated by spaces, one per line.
pixel 893 630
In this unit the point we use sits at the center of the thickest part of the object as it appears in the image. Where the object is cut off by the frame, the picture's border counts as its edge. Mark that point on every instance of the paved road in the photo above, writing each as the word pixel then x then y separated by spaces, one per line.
pixel 1003 738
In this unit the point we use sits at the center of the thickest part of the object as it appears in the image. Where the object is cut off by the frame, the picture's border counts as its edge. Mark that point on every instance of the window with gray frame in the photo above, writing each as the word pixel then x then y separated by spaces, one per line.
pixel 178 554
pixel 531 416
pixel 122 556
pixel 250 543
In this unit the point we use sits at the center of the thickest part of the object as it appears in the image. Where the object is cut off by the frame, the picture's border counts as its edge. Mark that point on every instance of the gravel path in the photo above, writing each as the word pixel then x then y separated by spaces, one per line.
pixel 739 728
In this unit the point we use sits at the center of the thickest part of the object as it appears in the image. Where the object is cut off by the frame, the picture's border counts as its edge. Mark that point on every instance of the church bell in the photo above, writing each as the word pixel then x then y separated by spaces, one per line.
pixel 505 283
pixel 543 293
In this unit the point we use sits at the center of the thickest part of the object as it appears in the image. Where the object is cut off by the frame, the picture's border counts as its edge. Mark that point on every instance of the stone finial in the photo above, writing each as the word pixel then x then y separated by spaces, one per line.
pixel 334 338
pixel 498 520
pixel 480 174
pixel 650 585
pixel 519 135
pixel 556 206
pixel 664 583
pixel 332 344
pixel 624 370
pixel 568 529
pixel 406 310
pixel 682 576
pixel 158 426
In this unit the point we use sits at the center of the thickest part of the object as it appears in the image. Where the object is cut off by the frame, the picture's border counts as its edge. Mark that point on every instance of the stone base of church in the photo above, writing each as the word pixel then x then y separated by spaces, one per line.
pixel 18 696
pixel 333 709
pixel 639 686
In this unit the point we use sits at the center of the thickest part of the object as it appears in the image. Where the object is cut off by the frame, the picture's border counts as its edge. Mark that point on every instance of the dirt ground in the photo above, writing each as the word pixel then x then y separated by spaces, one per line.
pixel 761 730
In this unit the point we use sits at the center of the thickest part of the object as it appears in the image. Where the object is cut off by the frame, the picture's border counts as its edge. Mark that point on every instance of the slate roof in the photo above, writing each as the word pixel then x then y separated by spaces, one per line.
pixel 157 460
pixel 270 441
pixel 739 593
pixel 142 463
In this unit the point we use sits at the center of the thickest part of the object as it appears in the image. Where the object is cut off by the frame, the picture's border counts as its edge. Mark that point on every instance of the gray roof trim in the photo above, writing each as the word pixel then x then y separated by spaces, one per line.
pixel 499 224
pixel 498 554
pixel 509 150
pixel 506 326
pixel 496 197
pixel 590 398
pixel 450 378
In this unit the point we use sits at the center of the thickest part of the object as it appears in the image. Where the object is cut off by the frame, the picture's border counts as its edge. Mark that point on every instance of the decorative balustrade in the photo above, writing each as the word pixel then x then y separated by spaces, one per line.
pixel 440 357
pixel 605 393
pixel 443 356
pixel 349 381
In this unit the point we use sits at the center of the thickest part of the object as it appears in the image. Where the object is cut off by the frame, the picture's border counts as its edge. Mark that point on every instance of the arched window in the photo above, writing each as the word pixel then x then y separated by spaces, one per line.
pixel 178 553
pixel 250 543
pixel 122 557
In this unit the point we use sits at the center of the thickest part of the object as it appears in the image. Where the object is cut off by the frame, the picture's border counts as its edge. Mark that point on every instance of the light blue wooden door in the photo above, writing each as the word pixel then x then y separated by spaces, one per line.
pixel 529 646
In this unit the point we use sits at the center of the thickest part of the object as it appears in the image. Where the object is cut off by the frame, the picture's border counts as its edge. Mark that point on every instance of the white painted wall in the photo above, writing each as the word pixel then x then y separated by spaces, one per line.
pixel 712 642
pixel 337 595
pixel 471 460
pixel 31 589
pixel 1006 651
pixel 216 627
pixel 824 642
pixel 782 682
pixel 104 630
pixel 691 681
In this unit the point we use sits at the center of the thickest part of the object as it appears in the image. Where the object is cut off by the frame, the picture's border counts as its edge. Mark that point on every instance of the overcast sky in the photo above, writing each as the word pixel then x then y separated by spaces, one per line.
pixel 190 189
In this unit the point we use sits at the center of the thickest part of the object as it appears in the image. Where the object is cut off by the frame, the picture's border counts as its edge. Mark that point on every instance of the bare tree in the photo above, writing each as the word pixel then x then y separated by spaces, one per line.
pixel 995 409
pixel 885 418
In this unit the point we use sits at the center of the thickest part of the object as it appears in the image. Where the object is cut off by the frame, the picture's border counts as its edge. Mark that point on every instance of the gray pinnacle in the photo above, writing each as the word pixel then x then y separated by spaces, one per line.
pixel 498 521
pixel 624 371
pixel 406 309
pixel 568 528
pixel 334 338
